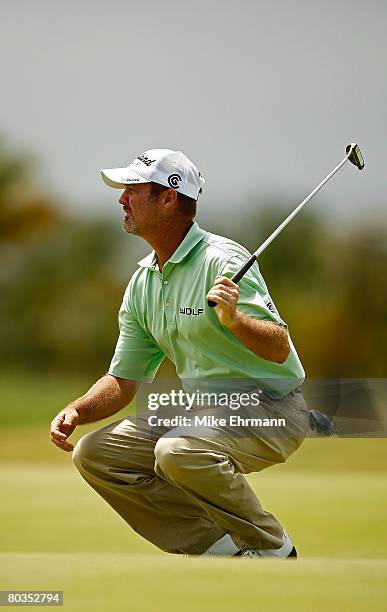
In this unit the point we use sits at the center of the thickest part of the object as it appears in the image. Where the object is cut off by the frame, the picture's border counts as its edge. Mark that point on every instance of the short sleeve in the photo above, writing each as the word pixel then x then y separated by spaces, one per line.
pixel 254 298
pixel 136 356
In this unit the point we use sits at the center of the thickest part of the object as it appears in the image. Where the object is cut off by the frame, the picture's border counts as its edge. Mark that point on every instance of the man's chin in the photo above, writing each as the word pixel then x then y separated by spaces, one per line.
pixel 129 228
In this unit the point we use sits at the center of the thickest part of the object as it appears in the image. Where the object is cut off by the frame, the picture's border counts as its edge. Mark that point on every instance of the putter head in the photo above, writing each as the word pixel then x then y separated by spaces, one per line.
pixel 355 155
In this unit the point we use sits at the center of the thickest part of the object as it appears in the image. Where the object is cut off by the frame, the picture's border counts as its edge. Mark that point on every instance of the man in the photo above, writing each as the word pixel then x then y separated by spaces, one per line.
pixel 183 488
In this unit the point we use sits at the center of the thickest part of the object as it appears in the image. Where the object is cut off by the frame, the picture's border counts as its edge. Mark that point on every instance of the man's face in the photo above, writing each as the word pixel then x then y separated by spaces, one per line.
pixel 141 212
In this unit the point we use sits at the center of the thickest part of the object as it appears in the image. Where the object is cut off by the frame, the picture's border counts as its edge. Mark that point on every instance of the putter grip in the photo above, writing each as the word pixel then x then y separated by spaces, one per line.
pixel 238 275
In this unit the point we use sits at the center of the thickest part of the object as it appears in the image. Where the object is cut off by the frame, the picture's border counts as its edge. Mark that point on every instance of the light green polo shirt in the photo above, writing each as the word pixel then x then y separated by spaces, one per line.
pixel 166 314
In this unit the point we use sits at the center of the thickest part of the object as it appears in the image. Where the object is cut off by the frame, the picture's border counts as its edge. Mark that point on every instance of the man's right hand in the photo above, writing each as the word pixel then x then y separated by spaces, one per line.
pixel 62 426
pixel 106 397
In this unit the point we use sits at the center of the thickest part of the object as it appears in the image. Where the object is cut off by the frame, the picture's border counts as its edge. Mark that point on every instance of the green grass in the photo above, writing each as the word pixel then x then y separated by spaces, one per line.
pixel 30 399
pixel 117 582
pixel 51 509
pixel 57 533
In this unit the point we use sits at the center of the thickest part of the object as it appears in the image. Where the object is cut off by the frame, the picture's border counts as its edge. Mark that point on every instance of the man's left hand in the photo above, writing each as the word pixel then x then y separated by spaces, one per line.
pixel 225 293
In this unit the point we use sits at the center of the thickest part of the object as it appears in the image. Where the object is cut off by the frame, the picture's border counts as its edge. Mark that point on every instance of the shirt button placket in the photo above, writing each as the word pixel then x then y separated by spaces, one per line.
pixel 167 303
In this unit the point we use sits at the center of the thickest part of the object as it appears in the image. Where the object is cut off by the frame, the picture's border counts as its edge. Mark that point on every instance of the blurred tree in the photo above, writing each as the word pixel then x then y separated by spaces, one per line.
pixel 60 295
pixel 62 281
pixel 356 338
pixel 23 211
pixel 327 284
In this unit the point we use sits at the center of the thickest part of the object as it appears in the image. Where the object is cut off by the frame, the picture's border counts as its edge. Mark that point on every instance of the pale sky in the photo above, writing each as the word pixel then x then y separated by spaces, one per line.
pixel 263 96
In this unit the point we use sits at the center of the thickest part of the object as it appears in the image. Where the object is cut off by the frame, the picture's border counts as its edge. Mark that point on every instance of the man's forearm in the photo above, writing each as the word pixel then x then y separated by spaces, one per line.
pixel 106 397
pixel 265 338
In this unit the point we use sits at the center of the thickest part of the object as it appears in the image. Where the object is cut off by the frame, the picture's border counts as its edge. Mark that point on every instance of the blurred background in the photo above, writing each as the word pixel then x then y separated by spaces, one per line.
pixel 263 97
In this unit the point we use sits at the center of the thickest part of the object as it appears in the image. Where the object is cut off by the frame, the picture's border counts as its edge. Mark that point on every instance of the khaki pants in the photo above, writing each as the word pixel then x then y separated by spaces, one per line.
pixel 182 489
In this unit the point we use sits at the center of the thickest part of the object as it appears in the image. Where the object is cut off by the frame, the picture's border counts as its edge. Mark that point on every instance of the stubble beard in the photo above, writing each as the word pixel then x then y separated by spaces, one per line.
pixel 129 225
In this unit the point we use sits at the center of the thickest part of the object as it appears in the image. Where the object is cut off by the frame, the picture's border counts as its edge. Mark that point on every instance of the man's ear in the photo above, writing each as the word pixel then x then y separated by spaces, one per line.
pixel 170 198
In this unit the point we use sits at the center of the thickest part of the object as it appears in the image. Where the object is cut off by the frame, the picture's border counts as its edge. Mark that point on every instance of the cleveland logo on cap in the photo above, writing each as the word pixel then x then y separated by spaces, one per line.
pixel 174 180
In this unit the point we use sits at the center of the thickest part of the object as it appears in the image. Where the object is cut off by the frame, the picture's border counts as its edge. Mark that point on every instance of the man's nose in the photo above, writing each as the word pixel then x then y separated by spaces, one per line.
pixel 123 199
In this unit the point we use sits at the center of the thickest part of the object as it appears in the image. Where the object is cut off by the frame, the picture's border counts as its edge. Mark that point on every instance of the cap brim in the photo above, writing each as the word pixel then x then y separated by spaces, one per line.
pixel 119 177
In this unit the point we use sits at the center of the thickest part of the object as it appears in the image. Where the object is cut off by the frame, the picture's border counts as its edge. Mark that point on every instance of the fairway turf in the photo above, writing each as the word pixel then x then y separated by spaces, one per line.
pixel 144 583
pixel 59 534
pixel 51 509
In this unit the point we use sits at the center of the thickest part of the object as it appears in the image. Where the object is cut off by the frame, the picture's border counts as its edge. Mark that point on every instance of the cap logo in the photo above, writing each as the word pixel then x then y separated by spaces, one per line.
pixel 145 160
pixel 174 180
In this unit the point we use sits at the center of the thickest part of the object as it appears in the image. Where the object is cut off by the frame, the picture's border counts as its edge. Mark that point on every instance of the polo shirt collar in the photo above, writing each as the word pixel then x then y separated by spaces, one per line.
pixel 194 235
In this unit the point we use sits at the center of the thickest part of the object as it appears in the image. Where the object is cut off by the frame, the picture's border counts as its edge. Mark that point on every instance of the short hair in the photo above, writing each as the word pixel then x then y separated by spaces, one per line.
pixel 187 205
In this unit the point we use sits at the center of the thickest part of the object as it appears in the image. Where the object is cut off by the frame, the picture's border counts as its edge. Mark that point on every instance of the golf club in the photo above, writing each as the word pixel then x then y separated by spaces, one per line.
pixel 354 155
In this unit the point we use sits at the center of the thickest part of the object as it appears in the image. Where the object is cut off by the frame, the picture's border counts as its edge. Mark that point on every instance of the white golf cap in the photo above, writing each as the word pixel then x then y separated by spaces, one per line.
pixel 163 166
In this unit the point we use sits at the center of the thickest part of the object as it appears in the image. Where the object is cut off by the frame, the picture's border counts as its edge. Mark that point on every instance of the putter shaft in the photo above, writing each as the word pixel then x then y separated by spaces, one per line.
pixel 354 155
